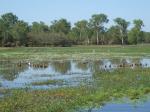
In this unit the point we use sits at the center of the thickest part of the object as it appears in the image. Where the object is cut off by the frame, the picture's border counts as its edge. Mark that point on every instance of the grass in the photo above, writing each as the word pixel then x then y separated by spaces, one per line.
pixel 107 85
pixel 4 91
pixel 75 52
pixel 48 82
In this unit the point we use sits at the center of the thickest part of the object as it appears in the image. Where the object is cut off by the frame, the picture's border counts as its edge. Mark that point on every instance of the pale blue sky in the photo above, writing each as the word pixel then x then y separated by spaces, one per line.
pixel 74 10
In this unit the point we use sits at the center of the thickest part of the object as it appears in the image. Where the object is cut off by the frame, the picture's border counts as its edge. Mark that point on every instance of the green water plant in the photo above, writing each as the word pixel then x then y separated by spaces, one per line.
pixel 48 82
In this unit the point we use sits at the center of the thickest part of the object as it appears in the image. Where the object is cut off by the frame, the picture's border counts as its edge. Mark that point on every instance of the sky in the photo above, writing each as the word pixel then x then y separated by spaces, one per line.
pixel 74 10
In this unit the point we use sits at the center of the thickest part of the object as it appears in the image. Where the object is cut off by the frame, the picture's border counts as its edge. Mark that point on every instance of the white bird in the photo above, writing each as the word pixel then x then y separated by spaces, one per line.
pixel 29 63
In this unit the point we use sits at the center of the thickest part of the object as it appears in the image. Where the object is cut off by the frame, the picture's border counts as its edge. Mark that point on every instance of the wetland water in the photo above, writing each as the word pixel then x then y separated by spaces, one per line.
pixel 22 74
pixel 122 107
pixel 15 74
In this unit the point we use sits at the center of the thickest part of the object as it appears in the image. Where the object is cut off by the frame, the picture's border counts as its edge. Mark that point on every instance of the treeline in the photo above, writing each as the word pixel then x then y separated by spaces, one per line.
pixel 15 32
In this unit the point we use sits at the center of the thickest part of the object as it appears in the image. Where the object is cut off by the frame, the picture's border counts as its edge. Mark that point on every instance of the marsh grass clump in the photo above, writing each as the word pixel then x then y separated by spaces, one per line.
pixel 59 100
pixel 146 90
pixel 4 91
pixel 48 82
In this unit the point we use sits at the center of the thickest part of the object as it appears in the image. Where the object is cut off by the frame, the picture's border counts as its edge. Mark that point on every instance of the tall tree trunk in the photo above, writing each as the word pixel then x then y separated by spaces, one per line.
pixel 80 36
pixel 136 40
pixel 88 40
pixel 122 41
pixel 1 42
pixel 138 37
pixel 102 39
pixel 97 38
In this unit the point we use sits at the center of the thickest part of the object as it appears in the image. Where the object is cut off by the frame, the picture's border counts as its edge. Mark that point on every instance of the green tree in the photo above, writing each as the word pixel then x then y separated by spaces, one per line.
pixel 39 27
pixel 136 35
pixel 39 34
pixel 103 34
pixel 81 26
pixel 147 37
pixel 19 32
pixel 7 21
pixel 83 29
pixel 113 35
pixel 73 35
pixel 2 31
pixel 123 25
pixel 60 26
pixel 97 22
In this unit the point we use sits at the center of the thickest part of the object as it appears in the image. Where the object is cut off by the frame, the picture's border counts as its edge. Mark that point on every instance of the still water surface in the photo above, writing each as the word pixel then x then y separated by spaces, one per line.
pixel 73 72
pixel 122 107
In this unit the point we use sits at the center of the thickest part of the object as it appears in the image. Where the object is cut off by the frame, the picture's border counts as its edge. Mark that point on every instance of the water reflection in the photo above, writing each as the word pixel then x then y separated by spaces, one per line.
pixel 62 67
pixel 10 70
pixel 83 65
pixel 95 65
pixel 145 62
pixel 73 72
pixel 107 65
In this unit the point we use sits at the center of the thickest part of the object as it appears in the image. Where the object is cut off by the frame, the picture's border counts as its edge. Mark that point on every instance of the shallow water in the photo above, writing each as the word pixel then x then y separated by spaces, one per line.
pixel 16 74
pixel 125 107
pixel 22 76
pixel 73 72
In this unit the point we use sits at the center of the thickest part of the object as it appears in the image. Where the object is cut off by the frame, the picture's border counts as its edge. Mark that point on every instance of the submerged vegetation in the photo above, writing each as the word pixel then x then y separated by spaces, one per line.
pixel 119 83
pixel 4 91
pixel 48 82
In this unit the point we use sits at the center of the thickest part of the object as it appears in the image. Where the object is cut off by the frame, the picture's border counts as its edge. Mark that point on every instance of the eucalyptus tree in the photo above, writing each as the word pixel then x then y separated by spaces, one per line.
pixel 73 35
pixel 138 24
pixel 38 27
pixel 123 25
pixel 113 35
pixel 60 26
pixel 19 32
pixel 84 30
pixel 136 35
pixel 146 37
pixel 39 34
pixel 97 22
pixel 103 34
pixel 2 31
pixel 81 26
pixel 7 21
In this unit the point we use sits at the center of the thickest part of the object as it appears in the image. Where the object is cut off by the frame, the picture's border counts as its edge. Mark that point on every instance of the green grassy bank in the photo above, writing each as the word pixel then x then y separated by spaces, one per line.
pixel 75 52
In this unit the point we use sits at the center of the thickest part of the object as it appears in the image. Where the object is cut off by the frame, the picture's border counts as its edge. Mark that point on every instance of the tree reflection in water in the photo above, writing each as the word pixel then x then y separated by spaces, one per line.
pixel 10 70
pixel 62 67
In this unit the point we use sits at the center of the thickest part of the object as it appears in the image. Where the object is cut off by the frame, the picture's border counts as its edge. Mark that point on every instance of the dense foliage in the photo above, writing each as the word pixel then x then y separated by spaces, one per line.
pixel 15 32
